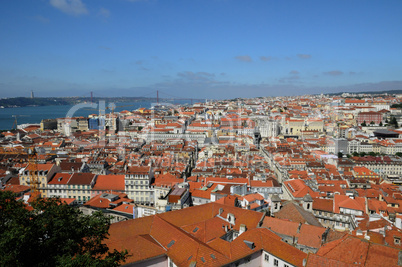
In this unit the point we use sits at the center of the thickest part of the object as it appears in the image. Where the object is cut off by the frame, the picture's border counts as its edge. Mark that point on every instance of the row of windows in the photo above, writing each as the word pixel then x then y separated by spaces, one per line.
pixel 136 176
pixel 71 186
pixel 79 197
pixel 71 191
pixel 142 199
pixel 141 193
pixel 276 261
pixel 39 179
pixel 79 186
pixel 137 182
pixel 138 187
pixel 269 190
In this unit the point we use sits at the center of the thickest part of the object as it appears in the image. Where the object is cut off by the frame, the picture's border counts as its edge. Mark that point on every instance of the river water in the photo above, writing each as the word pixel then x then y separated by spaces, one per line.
pixel 36 114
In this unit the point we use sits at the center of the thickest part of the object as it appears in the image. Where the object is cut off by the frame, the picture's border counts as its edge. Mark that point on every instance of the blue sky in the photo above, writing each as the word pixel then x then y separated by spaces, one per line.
pixel 198 48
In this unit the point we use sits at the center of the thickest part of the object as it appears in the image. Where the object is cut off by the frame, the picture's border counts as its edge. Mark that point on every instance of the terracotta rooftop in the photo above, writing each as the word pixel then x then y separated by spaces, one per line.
pixel 193 235
pixel 352 250
pixel 109 182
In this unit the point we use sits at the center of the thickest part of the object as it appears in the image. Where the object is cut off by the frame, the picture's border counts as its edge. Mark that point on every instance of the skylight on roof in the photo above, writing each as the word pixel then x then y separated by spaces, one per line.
pixel 195 229
pixel 170 243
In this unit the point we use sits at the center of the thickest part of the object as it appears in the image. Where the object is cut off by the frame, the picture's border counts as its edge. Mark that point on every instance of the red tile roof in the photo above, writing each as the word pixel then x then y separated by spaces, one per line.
pixel 81 178
pixel 193 235
pixel 342 201
pixel 109 182
pixel 60 178
pixel 353 250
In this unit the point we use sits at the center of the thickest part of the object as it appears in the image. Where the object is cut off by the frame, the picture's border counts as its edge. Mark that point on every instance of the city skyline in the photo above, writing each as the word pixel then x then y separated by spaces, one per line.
pixel 206 49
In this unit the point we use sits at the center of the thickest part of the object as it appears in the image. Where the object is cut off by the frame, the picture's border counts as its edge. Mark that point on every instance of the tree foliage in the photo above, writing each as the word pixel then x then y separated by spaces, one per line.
pixel 396 105
pixel 52 234
pixel 394 122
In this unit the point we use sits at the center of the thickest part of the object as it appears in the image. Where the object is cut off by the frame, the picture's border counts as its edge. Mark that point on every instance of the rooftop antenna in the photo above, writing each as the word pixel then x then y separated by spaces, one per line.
pixel 157 97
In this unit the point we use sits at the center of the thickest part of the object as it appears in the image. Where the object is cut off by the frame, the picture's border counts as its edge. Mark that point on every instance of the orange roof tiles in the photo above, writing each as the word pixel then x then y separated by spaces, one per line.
pixel 109 182
pixel 323 204
pixel 182 234
pixel 342 201
pixel 60 178
pixel 352 250
pixel 81 178
pixel 299 189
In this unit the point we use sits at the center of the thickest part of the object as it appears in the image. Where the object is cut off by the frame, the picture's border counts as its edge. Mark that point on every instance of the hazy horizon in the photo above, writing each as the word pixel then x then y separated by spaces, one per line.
pixel 199 49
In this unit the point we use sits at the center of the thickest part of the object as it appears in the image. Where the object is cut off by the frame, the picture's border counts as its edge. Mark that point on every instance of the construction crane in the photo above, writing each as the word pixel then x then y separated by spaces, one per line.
pixel 33 169
pixel 32 166
pixel 15 120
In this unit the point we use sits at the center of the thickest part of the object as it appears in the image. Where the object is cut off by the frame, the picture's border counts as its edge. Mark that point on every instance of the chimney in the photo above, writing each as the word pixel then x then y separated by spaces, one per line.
pixel 243 228
pixel 220 211
pixel 298 228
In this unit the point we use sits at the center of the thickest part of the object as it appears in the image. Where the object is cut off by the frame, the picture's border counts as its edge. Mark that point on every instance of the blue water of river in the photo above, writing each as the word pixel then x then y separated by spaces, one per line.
pixel 36 114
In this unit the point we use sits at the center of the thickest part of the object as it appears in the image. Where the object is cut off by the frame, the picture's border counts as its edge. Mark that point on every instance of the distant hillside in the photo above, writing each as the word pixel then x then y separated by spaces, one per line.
pixel 56 101
pixel 390 92
pixel 25 101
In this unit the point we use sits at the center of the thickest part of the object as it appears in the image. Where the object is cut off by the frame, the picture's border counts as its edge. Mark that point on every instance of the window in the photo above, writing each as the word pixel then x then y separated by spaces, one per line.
pixel 266 258
pixel 276 262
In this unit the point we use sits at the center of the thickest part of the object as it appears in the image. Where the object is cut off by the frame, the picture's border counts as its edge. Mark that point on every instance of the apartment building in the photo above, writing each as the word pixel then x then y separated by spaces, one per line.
pixel 137 184
pixel 43 172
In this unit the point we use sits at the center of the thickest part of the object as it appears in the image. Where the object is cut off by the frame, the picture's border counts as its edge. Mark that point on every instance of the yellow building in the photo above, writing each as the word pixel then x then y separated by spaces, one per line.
pixel 43 173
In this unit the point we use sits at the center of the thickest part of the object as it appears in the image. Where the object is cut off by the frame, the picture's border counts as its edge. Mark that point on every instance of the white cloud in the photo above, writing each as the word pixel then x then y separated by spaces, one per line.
pixel 304 56
pixel 245 58
pixel 263 58
pixel 41 19
pixel 71 7
pixel 333 73
pixel 103 12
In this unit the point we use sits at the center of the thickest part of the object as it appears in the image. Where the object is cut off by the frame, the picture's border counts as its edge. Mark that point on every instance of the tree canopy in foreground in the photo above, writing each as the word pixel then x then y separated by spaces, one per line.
pixel 52 234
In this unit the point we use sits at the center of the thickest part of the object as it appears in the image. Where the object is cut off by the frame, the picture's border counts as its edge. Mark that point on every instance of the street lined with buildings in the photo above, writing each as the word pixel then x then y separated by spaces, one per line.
pixel 269 181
